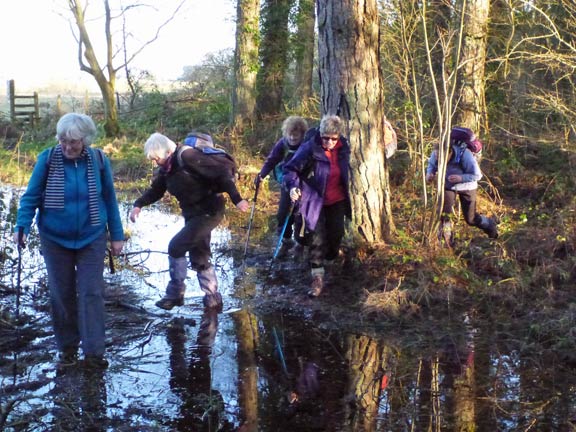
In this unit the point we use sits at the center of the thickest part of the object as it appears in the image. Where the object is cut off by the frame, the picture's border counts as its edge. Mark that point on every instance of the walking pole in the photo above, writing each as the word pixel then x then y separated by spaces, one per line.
pixel 19 275
pixel 251 219
pixel 283 231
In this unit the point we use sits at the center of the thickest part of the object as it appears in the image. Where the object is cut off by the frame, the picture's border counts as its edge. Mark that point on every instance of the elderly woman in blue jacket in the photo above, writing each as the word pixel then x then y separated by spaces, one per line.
pixel 318 176
pixel 73 190
pixel 462 175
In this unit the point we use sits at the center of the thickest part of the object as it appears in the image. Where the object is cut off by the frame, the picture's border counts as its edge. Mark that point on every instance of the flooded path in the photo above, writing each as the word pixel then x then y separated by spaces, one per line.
pixel 274 360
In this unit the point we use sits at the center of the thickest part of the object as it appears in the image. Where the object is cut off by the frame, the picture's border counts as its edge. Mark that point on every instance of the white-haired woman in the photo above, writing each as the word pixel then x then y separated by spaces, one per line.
pixel 73 190
pixel 196 179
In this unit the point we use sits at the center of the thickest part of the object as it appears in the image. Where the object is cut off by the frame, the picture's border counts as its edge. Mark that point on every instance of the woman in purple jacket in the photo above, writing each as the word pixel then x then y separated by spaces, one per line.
pixel 318 177
pixel 293 130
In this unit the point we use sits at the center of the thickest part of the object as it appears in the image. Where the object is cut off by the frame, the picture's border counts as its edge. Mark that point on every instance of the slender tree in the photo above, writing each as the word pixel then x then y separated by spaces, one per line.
pixel 351 85
pixel 304 43
pixel 245 62
pixel 273 57
pixel 471 109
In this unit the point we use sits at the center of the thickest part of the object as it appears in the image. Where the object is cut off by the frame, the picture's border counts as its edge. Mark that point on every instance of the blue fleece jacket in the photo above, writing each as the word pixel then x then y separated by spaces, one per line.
pixel 70 227
pixel 462 163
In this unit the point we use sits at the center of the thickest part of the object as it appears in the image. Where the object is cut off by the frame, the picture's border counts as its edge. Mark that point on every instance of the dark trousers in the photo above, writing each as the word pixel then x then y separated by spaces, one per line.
pixel 326 238
pixel 76 284
pixel 195 238
pixel 284 208
pixel 468 202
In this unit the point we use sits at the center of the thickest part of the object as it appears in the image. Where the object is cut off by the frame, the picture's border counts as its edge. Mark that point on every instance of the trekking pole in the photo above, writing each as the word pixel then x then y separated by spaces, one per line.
pixel 283 231
pixel 19 270
pixel 251 219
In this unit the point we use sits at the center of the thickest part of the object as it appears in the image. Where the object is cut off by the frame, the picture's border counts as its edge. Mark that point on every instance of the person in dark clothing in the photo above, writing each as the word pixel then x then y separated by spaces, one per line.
pixel 317 176
pixel 196 179
pixel 293 130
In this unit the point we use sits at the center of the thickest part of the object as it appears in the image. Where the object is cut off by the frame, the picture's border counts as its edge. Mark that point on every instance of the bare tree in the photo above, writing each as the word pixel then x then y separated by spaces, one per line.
pixel 351 84
pixel 104 72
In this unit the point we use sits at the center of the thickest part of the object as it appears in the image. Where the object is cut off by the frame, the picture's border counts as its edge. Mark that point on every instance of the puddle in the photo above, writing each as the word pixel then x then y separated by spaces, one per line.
pixel 252 368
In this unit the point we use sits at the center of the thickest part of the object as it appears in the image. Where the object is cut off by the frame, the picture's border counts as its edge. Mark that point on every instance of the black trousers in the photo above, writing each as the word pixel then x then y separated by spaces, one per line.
pixel 468 202
pixel 327 237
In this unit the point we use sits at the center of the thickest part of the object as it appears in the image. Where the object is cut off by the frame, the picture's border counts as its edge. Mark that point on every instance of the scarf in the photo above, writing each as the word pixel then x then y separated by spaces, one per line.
pixel 54 194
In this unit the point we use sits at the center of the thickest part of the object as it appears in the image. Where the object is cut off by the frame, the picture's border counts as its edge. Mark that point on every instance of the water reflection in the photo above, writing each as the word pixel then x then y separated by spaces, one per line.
pixel 264 371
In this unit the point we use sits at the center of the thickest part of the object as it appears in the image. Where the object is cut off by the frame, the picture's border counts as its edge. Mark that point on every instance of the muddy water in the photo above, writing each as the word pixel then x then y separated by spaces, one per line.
pixel 271 361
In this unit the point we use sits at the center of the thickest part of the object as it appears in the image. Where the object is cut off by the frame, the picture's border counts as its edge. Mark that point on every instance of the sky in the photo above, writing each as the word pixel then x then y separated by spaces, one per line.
pixel 38 47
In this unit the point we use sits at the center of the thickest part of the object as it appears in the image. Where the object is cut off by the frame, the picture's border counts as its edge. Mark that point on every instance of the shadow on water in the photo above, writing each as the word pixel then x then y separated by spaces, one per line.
pixel 290 367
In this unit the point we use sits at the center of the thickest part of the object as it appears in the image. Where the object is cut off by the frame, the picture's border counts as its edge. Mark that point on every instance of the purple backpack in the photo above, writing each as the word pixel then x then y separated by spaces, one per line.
pixel 465 136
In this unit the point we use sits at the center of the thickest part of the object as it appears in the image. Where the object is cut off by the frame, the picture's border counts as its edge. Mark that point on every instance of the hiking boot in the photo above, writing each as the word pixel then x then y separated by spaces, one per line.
pixel 213 301
pixel 491 229
pixel 95 362
pixel 167 303
pixel 67 359
pixel 316 286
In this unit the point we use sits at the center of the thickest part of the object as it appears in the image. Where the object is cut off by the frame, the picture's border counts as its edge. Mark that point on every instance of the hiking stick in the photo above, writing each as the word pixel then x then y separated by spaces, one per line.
pixel 283 231
pixel 19 274
pixel 251 219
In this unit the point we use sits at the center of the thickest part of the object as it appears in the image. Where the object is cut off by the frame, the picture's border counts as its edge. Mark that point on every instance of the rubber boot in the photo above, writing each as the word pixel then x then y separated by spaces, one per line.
pixel 176 287
pixel 446 234
pixel 489 226
pixel 209 284
pixel 317 282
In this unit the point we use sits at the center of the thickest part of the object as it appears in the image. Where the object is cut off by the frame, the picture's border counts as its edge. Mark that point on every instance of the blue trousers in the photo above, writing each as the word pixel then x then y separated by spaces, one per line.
pixel 76 284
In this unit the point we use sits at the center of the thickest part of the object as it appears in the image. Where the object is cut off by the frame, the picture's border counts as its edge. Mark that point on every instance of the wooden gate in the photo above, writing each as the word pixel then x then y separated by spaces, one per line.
pixel 23 108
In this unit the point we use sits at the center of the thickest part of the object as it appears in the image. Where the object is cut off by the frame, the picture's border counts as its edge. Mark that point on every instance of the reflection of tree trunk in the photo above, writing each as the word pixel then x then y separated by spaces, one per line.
pixel 365 363
pixel 464 400
pixel 246 62
pixel 246 330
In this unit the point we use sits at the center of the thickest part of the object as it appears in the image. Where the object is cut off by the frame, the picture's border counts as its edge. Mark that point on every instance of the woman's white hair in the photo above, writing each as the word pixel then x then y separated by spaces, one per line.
pixel 75 126
pixel 158 146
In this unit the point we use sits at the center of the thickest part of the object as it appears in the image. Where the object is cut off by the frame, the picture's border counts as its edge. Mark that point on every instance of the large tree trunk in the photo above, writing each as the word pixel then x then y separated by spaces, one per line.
pixel 304 50
pixel 273 57
pixel 245 62
pixel 351 85
pixel 472 108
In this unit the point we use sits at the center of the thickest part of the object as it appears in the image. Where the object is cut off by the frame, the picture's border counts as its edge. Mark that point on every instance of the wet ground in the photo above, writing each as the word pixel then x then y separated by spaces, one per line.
pixel 273 360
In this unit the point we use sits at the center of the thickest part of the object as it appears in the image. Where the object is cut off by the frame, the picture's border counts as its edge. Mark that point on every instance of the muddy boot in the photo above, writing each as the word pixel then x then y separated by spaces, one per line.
pixel 176 287
pixel 209 284
pixel 445 234
pixel 317 284
pixel 489 226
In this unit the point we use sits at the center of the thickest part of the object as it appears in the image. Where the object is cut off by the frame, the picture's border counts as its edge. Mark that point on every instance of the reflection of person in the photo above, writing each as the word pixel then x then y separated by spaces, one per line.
pixel 80 401
pixel 462 175
pixel 72 188
pixel 202 406
pixel 317 175
pixel 293 130
pixel 192 177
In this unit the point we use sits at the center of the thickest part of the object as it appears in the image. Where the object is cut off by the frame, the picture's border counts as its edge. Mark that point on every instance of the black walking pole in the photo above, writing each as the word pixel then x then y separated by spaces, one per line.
pixel 251 219
pixel 19 275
